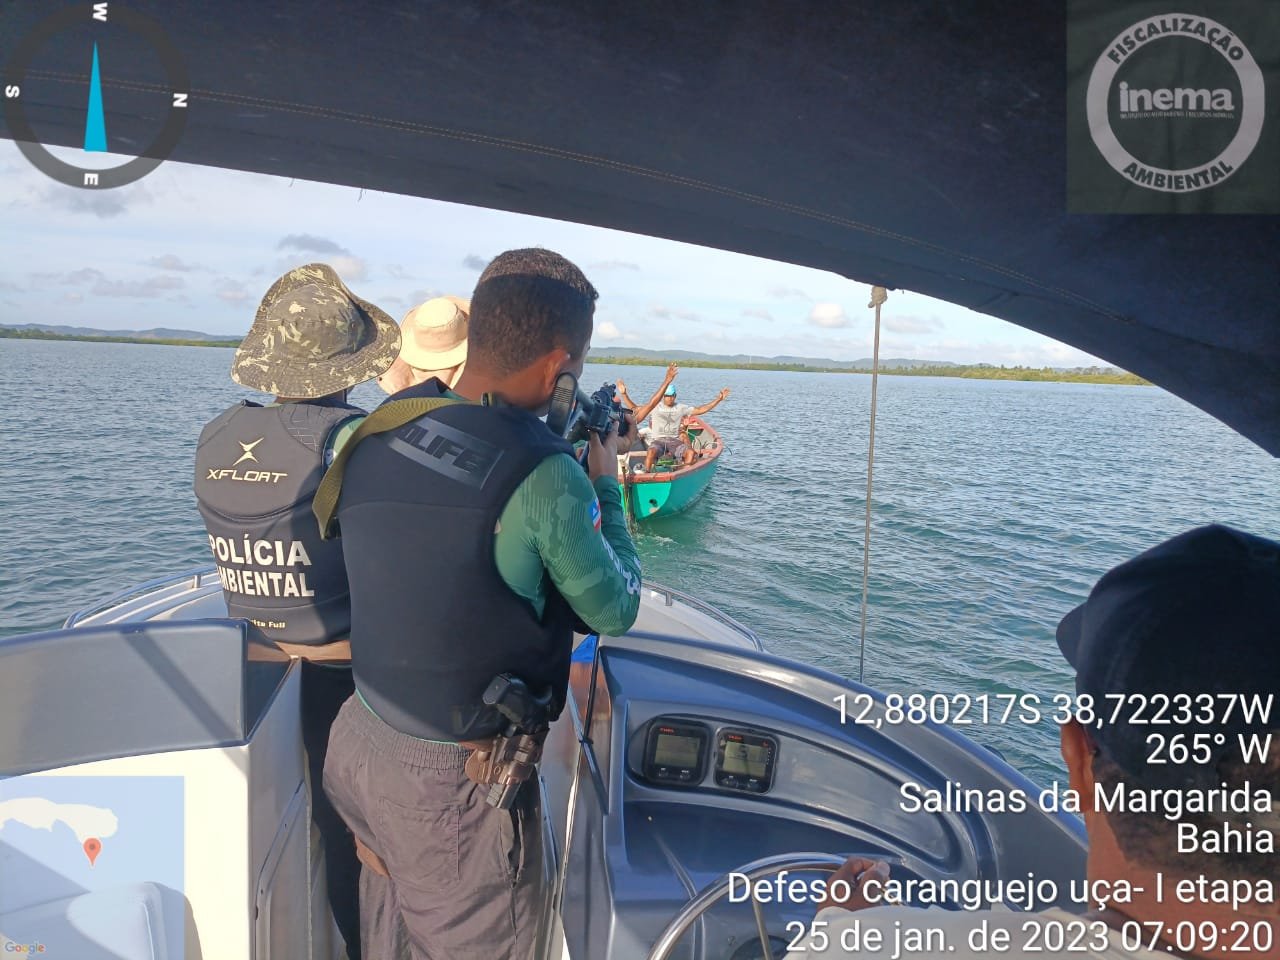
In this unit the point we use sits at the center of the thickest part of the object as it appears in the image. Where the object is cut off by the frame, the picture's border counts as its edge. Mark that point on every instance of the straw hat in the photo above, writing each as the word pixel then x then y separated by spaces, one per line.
pixel 434 334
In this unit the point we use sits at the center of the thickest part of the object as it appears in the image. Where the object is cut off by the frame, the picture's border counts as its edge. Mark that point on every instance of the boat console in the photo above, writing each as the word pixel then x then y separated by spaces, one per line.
pixel 164 746
pixel 690 761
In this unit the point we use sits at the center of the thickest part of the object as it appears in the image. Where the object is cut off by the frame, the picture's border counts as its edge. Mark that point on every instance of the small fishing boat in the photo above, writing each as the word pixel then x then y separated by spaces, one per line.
pixel 670 487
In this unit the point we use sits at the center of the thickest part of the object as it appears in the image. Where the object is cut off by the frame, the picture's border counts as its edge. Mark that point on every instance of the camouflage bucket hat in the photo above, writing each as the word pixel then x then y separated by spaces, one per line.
pixel 312 337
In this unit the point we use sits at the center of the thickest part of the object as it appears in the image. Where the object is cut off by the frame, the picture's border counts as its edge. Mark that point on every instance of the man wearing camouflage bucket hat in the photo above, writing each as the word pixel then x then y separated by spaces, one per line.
pixel 257 469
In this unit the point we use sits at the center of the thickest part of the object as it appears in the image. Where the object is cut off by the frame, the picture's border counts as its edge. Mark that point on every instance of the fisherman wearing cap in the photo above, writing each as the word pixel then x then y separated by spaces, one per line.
pixel 1197 619
pixel 257 468
pixel 668 420
pixel 475 542
pixel 433 344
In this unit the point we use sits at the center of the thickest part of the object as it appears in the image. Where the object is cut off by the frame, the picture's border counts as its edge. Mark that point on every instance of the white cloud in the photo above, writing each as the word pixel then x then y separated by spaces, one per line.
pixel 421 296
pixel 828 316
pixel 103 204
pixel 608 329
pixel 350 269
pixel 100 285
pixel 232 291
pixel 171 262
pixel 912 324
pixel 758 313
pixel 309 243
pixel 788 293
pixel 668 313
pixel 151 287
pixel 1041 352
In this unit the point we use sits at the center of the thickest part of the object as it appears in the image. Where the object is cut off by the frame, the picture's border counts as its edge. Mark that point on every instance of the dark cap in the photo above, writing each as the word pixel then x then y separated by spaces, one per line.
pixel 1197 614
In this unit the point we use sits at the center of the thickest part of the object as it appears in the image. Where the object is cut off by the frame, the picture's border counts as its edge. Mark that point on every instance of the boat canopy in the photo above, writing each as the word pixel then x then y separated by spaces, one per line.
pixel 914 145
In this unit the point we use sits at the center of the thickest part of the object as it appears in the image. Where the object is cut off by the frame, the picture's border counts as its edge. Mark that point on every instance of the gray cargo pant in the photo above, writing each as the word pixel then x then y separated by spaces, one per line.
pixel 465 880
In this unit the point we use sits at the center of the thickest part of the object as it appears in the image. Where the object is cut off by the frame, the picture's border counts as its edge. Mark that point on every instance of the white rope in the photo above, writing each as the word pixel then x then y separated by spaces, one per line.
pixel 878 296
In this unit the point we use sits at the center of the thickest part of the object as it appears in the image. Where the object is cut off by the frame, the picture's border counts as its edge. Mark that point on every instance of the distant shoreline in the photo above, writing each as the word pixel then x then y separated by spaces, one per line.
pixel 976 371
pixel 11 334
pixel 963 371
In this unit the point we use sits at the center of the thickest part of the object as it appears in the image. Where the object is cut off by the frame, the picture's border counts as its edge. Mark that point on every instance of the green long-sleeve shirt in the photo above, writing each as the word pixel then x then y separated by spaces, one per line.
pixel 559 521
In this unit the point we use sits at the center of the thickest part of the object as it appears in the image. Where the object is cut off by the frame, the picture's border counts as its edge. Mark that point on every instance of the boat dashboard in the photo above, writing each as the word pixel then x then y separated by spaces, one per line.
pixel 691 761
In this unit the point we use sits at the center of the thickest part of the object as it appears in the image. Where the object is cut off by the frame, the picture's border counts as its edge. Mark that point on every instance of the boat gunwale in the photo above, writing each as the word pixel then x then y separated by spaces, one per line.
pixel 204 579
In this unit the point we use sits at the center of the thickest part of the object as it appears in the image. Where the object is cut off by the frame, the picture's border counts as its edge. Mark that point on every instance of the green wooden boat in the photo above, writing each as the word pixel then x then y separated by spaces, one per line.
pixel 671 487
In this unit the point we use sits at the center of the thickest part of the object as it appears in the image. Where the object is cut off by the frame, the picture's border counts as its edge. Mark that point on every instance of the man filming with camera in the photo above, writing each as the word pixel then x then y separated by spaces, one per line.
pixel 474 543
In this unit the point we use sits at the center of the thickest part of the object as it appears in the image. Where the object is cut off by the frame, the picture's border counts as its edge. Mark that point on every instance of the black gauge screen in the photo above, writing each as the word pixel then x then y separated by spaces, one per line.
pixel 672 750
pixel 745 761
pixel 675 754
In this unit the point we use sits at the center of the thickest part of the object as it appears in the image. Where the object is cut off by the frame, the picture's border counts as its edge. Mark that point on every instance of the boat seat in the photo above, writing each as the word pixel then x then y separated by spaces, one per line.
pixel 120 923
pixel 168 758
pixel 137 689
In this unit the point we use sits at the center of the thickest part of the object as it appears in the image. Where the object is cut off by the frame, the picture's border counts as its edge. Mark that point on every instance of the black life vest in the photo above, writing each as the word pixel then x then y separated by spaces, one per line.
pixel 432 620
pixel 257 469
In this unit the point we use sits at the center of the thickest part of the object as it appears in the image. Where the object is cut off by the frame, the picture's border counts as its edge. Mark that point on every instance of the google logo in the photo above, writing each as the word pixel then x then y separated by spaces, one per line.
pixel 27 948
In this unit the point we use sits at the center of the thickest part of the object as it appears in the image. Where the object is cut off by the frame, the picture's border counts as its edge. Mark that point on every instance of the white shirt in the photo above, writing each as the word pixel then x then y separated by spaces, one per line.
pixel 837 933
pixel 666 420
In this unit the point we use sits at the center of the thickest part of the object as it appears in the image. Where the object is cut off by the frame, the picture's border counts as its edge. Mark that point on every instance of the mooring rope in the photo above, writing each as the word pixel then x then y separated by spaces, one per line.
pixel 878 296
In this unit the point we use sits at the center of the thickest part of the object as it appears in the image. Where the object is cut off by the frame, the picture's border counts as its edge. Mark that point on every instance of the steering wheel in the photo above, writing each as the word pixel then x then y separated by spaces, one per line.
pixel 714 892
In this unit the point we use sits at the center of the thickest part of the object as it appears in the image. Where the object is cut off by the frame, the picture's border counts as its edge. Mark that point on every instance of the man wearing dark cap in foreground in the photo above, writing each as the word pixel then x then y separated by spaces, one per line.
pixel 257 468
pixel 1196 618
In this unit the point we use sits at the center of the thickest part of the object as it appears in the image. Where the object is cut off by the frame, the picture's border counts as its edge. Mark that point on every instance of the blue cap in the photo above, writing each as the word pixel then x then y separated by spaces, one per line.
pixel 671 391
pixel 1199 613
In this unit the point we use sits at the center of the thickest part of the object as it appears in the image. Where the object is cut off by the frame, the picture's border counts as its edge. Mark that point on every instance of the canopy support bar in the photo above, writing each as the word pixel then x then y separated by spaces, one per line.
pixel 878 296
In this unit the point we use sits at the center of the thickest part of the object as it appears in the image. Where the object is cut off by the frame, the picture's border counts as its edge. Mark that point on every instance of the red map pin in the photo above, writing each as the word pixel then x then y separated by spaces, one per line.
pixel 92 847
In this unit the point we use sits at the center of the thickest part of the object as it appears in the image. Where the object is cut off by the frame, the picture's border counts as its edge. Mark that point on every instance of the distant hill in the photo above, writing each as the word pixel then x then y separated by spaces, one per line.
pixel 744 359
pixel 638 355
pixel 633 356
pixel 641 357
pixel 156 333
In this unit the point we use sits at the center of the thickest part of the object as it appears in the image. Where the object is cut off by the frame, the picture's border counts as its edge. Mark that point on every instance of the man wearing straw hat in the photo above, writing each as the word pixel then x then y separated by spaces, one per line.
pixel 433 343
pixel 257 468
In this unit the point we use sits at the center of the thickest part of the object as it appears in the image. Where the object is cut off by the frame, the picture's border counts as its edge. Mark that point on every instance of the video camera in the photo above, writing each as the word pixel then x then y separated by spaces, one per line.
pixel 574 415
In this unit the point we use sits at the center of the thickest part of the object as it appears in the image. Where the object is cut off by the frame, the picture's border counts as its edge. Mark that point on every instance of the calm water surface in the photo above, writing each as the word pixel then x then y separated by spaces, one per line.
pixel 995 507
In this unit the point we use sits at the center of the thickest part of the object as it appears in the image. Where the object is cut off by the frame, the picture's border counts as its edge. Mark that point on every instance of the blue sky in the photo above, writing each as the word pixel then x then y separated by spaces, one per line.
pixel 196 248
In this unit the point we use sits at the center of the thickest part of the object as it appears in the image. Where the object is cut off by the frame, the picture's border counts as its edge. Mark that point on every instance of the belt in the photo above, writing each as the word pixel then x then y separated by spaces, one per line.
pixel 337 650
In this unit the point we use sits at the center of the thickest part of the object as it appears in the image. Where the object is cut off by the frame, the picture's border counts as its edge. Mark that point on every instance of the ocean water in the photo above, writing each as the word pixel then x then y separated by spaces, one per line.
pixel 995 506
